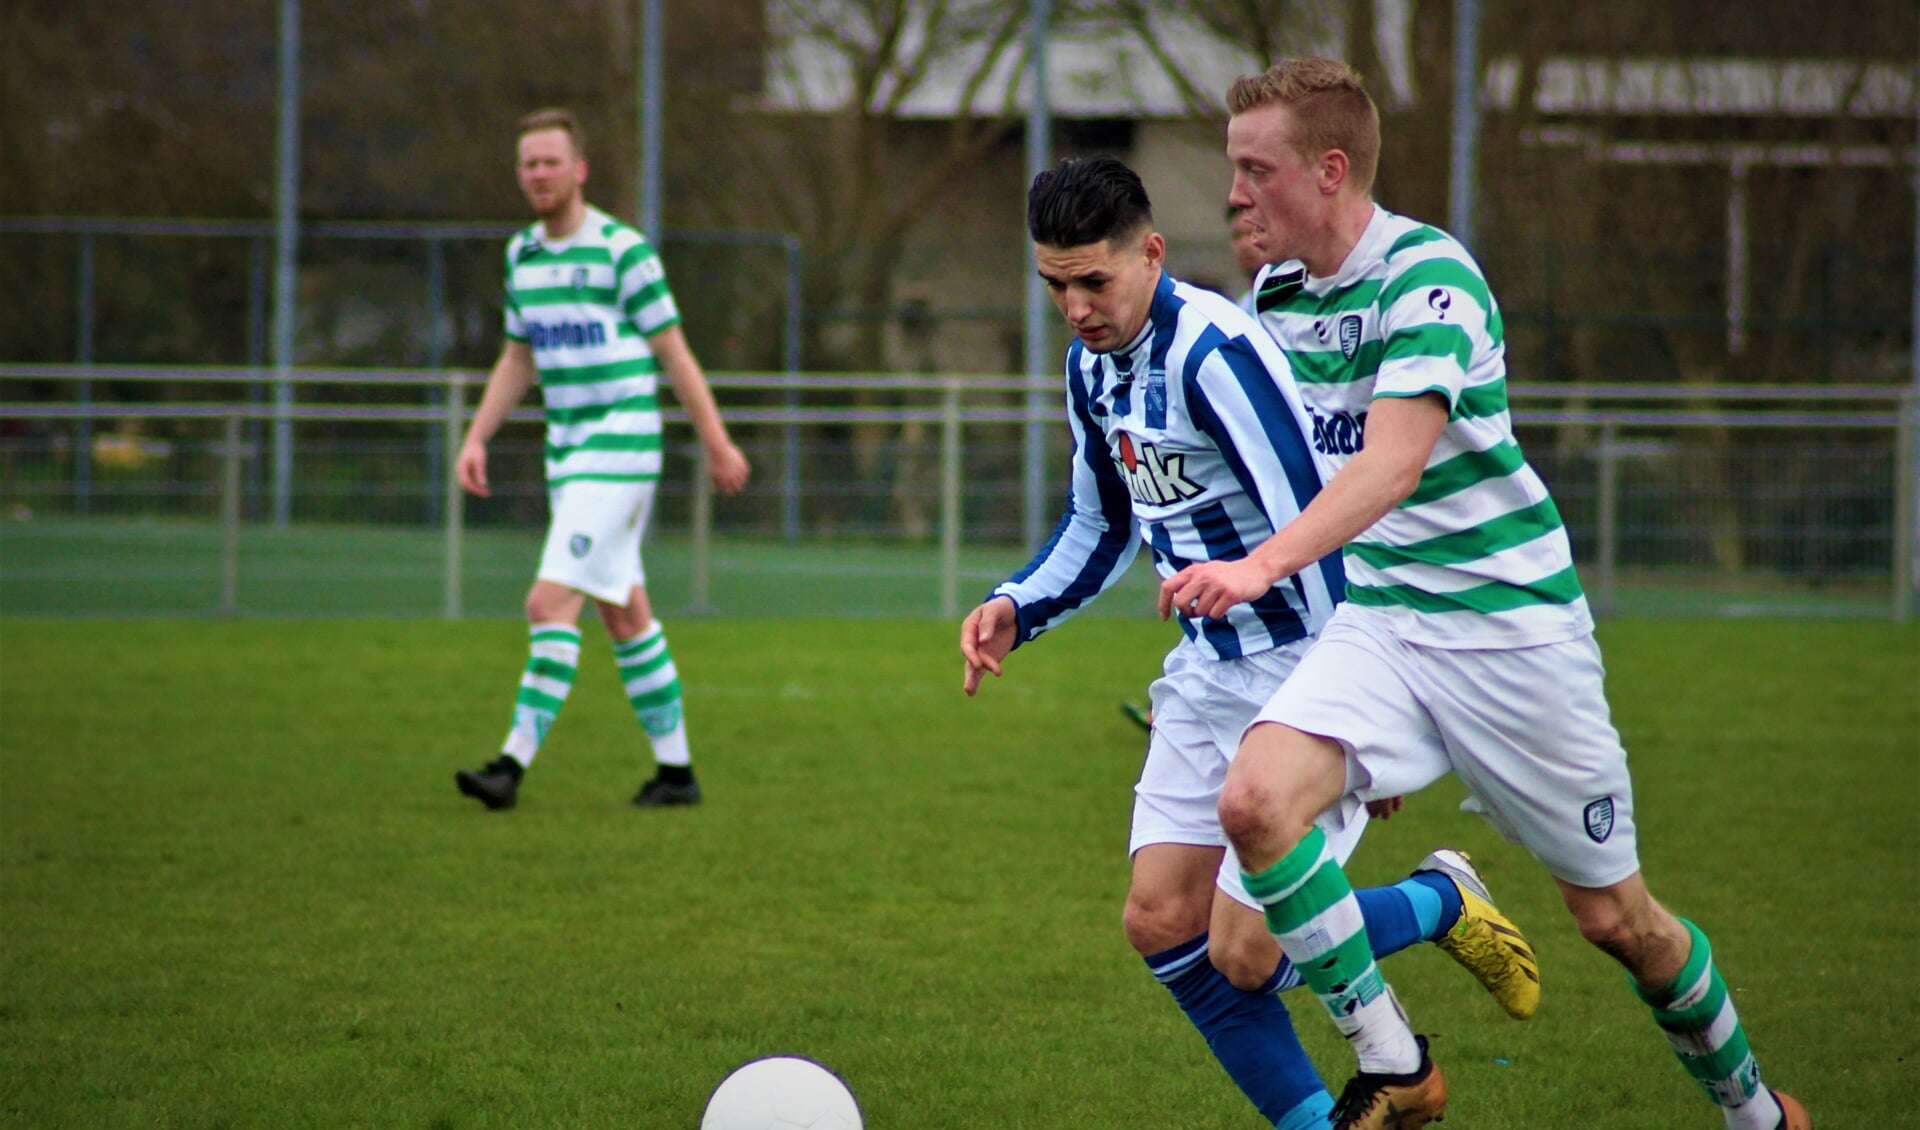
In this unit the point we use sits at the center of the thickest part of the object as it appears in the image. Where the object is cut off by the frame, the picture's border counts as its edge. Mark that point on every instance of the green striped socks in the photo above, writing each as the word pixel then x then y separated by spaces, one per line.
pixel 1696 1012
pixel 653 687
pixel 1312 912
pixel 553 656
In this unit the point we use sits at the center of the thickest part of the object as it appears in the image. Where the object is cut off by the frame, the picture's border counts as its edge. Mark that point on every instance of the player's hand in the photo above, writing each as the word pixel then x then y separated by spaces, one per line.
pixel 727 466
pixel 472 468
pixel 986 638
pixel 1385 807
pixel 1211 587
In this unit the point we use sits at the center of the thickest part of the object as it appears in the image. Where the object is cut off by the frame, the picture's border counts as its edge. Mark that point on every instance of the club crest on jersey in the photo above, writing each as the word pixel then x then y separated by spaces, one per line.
pixel 579 278
pixel 1155 393
pixel 579 545
pixel 1349 336
pixel 1152 478
pixel 1599 817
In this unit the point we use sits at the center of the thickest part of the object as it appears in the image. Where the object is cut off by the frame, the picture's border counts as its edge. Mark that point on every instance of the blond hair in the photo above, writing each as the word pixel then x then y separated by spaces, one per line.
pixel 556 118
pixel 1331 110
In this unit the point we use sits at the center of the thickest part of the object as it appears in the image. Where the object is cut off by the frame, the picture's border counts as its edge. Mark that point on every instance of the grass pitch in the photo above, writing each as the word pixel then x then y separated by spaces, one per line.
pixel 237 887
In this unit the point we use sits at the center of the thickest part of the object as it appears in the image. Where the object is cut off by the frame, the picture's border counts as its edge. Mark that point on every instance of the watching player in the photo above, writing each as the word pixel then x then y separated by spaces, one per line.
pixel 589 313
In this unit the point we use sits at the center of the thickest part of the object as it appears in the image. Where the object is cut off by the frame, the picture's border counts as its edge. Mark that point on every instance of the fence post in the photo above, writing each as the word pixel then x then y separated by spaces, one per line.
pixel 230 517
pixel 790 431
pixel 439 461
pixel 1609 516
pixel 1906 503
pixel 453 510
pixel 702 532
pixel 83 353
pixel 950 515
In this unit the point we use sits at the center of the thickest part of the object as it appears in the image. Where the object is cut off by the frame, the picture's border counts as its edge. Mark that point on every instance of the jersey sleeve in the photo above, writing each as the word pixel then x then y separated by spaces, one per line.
pixel 644 297
pixel 1431 314
pixel 514 325
pixel 1093 543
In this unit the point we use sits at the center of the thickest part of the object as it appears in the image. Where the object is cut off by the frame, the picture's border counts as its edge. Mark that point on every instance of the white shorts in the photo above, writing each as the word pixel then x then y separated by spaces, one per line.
pixel 1201 705
pixel 1527 731
pixel 593 542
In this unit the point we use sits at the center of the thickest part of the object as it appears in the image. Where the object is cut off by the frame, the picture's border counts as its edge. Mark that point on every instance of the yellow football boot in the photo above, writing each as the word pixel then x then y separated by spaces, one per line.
pixel 1486 942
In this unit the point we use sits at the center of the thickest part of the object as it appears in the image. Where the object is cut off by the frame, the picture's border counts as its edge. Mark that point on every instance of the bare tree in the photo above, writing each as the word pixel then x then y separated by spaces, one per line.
pixel 875 111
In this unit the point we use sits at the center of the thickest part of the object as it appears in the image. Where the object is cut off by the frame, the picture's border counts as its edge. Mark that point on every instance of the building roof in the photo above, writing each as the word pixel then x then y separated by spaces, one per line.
pixel 1097 68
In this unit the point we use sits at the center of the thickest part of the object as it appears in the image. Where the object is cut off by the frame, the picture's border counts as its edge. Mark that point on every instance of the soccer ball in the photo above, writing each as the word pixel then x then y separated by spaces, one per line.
pixel 781 1092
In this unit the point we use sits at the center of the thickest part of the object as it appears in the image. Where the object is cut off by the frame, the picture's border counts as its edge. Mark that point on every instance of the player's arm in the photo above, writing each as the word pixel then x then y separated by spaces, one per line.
pixel 1431 313
pixel 1091 547
pixel 1399 438
pixel 726 464
pixel 512 376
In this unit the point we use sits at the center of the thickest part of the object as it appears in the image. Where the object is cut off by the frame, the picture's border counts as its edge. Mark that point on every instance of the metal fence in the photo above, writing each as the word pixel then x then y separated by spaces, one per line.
pixel 895 495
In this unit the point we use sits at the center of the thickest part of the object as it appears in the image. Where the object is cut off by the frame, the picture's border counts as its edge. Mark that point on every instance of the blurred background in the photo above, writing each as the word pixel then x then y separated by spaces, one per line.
pixel 254 250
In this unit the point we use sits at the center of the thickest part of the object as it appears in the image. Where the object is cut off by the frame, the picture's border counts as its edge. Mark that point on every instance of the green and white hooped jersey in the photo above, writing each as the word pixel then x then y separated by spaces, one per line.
pixel 1476 556
pixel 587 305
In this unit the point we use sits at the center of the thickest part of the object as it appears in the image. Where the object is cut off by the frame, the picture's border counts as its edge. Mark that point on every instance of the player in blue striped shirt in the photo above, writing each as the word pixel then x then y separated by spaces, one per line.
pixel 1186 436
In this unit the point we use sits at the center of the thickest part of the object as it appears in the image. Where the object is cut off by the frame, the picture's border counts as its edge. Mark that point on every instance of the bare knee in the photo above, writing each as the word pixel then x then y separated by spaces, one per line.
pixel 1280 782
pixel 1156 924
pixel 1246 962
pixel 549 603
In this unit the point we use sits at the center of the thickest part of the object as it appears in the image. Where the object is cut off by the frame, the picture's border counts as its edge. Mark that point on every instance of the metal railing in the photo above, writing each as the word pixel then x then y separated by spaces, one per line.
pixel 1622 460
pixel 433 238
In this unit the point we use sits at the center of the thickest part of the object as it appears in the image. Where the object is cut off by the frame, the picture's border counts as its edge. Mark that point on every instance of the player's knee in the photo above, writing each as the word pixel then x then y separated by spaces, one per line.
pixel 1253 814
pixel 1154 925
pixel 1246 963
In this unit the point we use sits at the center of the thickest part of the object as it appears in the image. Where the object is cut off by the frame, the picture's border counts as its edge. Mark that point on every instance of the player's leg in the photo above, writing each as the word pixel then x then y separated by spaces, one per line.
pixel 1281 781
pixel 1169 902
pixel 1670 965
pixel 1417 909
pixel 553 655
pixel 1345 726
pixel 1227 977
pixel 652 684
pixel 1176 847
pixel 1553 776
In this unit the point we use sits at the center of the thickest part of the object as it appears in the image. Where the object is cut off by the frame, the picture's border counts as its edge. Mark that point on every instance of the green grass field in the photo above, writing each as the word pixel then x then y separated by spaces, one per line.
pixel 238 889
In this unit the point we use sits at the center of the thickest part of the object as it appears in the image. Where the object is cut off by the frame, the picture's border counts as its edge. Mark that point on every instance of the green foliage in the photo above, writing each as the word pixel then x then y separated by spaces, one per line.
pixel 237 887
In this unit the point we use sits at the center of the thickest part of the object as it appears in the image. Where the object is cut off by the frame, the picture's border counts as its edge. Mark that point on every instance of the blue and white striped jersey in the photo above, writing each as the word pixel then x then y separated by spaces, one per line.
pixel 1190 434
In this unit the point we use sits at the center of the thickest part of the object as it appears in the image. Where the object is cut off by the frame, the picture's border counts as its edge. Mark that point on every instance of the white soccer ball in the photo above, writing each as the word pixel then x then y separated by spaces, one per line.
pixel 781 1092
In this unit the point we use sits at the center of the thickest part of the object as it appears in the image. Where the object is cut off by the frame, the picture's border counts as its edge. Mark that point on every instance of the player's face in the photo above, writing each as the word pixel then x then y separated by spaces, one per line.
pixel 1104 290
pixel 1283 189
pixel 551 173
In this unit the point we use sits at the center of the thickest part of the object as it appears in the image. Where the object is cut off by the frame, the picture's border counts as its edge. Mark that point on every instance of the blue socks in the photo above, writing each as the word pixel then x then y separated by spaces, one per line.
pixel 1250 1034
pixel 1436 902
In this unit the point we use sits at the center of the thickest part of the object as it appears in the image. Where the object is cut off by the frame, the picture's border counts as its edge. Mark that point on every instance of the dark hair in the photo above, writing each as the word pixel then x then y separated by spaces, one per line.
pixel 1082 201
